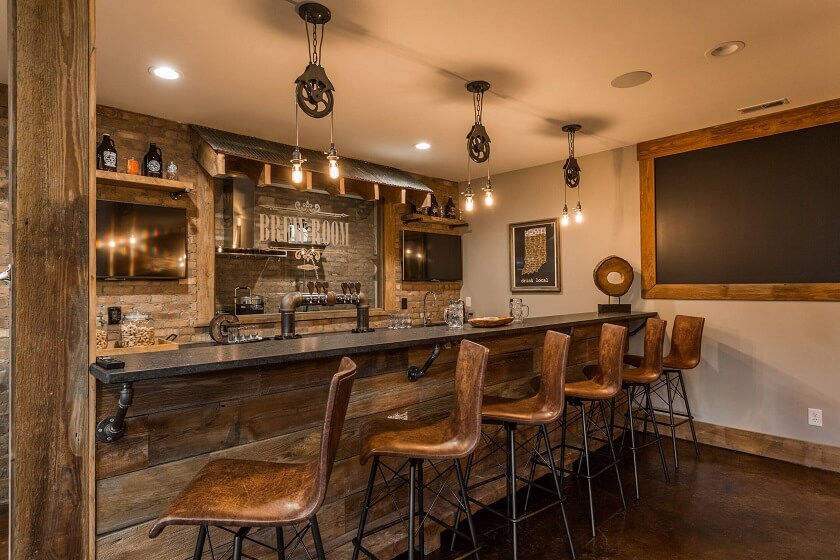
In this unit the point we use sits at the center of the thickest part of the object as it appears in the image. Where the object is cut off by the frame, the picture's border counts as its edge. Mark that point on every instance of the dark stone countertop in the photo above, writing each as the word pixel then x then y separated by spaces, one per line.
pixel 201 358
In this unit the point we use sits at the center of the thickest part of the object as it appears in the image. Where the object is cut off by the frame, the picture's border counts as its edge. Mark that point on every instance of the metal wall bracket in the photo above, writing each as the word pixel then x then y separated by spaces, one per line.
pixel 415 373
pixel 112 428
pixel 176 195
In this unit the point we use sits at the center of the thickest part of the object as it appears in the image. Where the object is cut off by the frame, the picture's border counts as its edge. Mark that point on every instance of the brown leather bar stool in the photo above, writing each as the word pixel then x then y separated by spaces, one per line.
pixel 247 494
pixel 602 384
pixel 640 378
pixel 686 341
pixel 450 439
pixel 537 410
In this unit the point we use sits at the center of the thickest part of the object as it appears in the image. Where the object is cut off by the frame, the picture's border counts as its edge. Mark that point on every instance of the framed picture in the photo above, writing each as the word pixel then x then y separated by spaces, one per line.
pixel 535 256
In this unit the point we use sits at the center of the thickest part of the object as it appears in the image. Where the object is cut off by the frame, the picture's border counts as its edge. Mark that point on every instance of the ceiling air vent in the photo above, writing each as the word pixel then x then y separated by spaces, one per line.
pixel 763 106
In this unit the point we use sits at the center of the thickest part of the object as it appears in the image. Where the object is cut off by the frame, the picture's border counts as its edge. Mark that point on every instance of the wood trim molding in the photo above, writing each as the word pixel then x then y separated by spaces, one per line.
pixel 797 451
pixel 766 125
pixel 757 127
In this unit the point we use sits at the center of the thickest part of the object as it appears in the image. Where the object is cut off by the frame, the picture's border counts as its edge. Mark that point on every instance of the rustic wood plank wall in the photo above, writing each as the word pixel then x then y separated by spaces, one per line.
pixel 51 131
pixel 178 425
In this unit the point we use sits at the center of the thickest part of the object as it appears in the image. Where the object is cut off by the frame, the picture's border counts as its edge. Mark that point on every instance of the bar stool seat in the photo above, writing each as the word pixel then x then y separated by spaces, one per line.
pixel 416 442
pixel 530 410
pixel 246 493
pixel 387 437
pixel 232 492
pixel 589 389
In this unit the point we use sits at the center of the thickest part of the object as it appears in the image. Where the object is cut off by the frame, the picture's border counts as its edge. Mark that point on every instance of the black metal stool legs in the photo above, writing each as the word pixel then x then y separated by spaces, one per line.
pixel 557 487
pixel 688 413
pixel 675 387
pixel 589 428
pixel 281 545
pixel 199 544
pixel 316 536
pixel 365 509
pixel 237 542
pixel 417 514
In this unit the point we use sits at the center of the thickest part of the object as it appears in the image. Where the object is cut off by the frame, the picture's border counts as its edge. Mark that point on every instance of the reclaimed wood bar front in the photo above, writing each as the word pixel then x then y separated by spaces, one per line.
pixel 265 401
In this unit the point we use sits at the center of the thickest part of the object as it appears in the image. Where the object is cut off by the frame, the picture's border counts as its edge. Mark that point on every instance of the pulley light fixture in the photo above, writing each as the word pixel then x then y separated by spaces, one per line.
pixel 571 177
pixel 313 89
pixel 478 146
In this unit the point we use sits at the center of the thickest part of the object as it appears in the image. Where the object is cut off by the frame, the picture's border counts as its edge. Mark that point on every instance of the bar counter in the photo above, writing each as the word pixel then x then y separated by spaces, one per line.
pixel 265 401
pixel 203 358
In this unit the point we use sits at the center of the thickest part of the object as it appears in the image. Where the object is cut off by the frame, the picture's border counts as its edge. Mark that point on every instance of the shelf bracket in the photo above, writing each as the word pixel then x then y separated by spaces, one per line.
pixel 112 428
pixel 176 195
pixel 415 373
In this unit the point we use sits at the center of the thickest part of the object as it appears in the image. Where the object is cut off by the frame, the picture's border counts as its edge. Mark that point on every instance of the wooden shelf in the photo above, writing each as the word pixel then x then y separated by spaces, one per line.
pixel 452 223
pixel 141 182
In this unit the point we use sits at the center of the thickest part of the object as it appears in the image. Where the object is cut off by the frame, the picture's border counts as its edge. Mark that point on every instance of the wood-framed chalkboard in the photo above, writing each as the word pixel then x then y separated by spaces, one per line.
pixel 748 210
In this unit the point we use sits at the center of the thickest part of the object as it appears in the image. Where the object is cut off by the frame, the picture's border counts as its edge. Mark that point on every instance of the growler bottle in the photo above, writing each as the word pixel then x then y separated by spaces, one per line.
pixel 450 210
pixel 434 209
pixel 106 154
pixel 153 162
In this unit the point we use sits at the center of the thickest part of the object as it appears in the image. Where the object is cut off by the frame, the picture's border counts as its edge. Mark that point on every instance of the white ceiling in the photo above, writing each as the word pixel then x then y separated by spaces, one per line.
pixel 399 68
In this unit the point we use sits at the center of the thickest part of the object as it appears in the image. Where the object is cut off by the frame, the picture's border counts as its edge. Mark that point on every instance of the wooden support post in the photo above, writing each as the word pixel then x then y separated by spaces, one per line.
pixel 51 124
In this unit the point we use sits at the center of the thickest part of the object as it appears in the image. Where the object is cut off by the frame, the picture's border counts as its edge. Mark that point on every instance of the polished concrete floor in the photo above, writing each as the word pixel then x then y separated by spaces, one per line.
pixel 721 505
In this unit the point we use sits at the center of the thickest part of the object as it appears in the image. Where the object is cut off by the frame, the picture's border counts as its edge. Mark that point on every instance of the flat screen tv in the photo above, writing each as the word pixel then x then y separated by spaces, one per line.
pixel 139 241
pixel 431 257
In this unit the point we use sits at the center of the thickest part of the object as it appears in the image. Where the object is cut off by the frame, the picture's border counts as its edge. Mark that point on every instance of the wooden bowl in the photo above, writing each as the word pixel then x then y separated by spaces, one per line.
pixel 490 321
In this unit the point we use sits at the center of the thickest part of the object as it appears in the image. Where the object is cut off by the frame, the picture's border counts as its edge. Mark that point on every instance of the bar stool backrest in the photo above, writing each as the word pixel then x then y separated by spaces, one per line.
pixel 686 338
pixel 340 388
pixel 552 393
pixel 610 356
pixel 465 420
pixel 654 343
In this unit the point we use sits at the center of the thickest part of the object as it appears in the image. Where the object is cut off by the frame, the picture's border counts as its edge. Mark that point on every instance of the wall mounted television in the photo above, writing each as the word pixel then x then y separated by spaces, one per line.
pixel 140 242
pixel 431 257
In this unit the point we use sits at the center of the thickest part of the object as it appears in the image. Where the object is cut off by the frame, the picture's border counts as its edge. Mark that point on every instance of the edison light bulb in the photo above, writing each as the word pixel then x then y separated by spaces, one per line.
pixel 488 198
pixel 333 169
pixel 564 220
pixel 578 213
pixel 469 204
pixel 297 173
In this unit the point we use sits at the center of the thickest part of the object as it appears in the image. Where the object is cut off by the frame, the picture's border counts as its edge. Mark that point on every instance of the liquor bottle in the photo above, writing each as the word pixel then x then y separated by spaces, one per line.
pixel 434 209
pixel 153 162
pixel 450 210
pixel 106 154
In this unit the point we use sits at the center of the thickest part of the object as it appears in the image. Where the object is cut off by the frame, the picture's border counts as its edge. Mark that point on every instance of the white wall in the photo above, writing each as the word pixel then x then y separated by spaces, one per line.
pixel 764 363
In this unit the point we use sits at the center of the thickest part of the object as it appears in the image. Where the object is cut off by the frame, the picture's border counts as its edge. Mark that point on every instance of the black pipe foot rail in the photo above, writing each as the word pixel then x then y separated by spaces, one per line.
pixel 112 428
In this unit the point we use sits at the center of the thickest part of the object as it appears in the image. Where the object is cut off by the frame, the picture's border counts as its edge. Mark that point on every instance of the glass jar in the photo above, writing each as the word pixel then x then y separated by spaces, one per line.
pixel 101 332
pixel 137 329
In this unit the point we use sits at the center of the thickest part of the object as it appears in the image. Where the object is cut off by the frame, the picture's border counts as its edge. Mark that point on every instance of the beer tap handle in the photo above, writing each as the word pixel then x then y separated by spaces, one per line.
pixel 326 287
pixel 310 285
pixel 318 287
pixel 358 287
pixel 344 288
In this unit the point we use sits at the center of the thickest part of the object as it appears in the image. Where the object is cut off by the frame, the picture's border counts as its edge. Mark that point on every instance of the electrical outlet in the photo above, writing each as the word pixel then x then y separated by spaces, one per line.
pixel 815 417
pixel 468 301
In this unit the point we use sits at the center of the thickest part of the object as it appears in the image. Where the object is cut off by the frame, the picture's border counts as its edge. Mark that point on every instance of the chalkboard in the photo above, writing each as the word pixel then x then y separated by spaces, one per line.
pixel 758 211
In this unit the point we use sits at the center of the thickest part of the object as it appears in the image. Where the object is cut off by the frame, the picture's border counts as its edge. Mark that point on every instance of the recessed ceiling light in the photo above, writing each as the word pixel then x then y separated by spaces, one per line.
pixel 422 145
pixel 631 79
pixel 725 49
pixel 165 72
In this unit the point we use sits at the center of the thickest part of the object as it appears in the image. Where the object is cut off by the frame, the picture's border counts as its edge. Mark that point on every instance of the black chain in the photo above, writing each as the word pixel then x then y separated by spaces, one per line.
pixel 478 101
pixel 314 58
pixel 571 143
